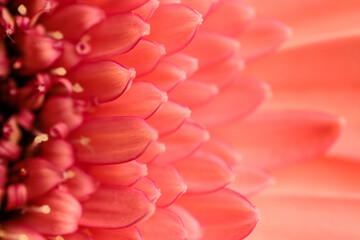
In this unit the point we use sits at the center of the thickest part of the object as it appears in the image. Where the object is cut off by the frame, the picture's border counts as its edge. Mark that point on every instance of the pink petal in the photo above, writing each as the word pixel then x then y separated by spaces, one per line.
pixel 63 217
pixel 171 226
pixel 261 37
pixel 191 224
pixel 231 216
pixel 115 35
pixel 204 172
pixel 165 76
pixel 115 207
pixel 282 137
pixel 129 233
pixel 149 188
pixel 141 100
pixel 169 181
pixel 182 143
pixel 174 25
pixel 144 57
pixel 115 6
pixel 223 150
pixel 249 179
pixel 4 62
pixel 320 217
pixel 219 21
pixel 169 117
pixel 57 151
pixel 221 74
pixel 69 57
pixel 185 62
pixel 193 93
pixel 309 78
pixel 123 174
pixel 152 152
pixel 73 20
pixel 60 109
pixel 78 235
pixel 79 183
pixel 18 230
pixel 147 10
pixel 111 140
pixel 202 6
pixel 40 176
pixel 211 48
pixel 38 52
pixel 114 80
pixel 234 102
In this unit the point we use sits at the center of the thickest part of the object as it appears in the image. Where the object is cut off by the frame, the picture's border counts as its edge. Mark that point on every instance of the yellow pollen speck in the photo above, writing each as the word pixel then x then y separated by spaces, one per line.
pixel 22 9
pixel 69 174
pixel 56 35
pixel 77 88
pixel 41 138
pixel 41 88
pixel 23 237
pixel 84 140
pixel 17 65
pixel 59 71
pixel 45 209
pixel 59 238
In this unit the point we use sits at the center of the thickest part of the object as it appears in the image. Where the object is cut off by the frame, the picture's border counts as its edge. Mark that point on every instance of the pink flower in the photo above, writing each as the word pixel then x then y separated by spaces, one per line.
pixel 123 119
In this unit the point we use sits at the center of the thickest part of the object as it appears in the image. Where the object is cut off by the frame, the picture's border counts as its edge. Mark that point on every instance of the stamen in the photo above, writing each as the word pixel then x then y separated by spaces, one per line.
pixel 84 141
pixel 45 209
pixel 17 64
pixel 41 89
pixel 56 35
pixel 22 9
pixel 59 71
pixel 23 172
pixel 41 138
pixel 69 174
pixel 59 238
pixel 77 88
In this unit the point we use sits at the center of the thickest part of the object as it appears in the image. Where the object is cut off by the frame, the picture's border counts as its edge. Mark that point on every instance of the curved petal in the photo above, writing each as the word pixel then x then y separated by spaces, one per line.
pixel 79 183
pixel 129 233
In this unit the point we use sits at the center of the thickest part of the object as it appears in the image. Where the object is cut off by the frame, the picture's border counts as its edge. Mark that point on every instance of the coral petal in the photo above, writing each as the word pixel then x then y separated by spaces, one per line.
pixel 73 20
pixel 281 137
pixel 115 207
pixel 177 30
pixel 231 217
pixel 111 140
pixel 223 150
pixel 129 233
pixel 166 76
pixel 169 181
pixel 185 62
pixel 141 100
pixel 192 225
pixel 57 151
pixel 79 183
pixel 204 172
pixel 152 152
pixel 202 6
pixel 182 143
pixel 261 37
pixel 115 6
pixel 123 174
pixel 115 35
pixel 171 226
pixel 219 21
pixel 147 10
pixel 211 48
pixel 169 117
pixel 234 102
pixel 143 57
pixel 60 204
pixel 114 80
pixel 15 228
pixel 149 188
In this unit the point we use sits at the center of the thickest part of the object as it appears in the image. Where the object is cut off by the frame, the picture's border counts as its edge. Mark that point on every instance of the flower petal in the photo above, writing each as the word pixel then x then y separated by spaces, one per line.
pixel 191 224
pixel 115 6
pixel 234 102
pixel 114 80
pixel 223 150
pixel 142 100
pixel 115 207
pixel 202 6
pixel 111 140
pixel 171 226
pixel 204 172
pixel 174 25
pixel 143 57
pixel 73 20
pixel 123 174
pixel 186 63
pixel 57 151
pixel 169 181
pixel 147 10
pixel 231 216
pixel 115 35
pixel 129 233
pixel 48 216
pixel 281 137
pixel 169 117
pixel 149 188
pixel 152 152
pixel 182 143
pixel 79 183
pixel 18 230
